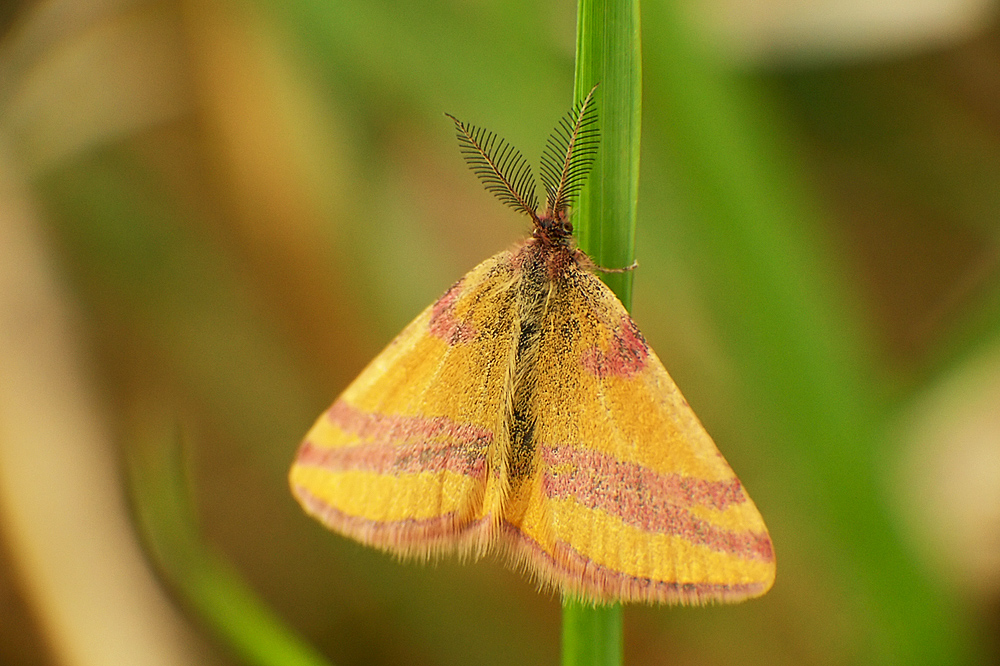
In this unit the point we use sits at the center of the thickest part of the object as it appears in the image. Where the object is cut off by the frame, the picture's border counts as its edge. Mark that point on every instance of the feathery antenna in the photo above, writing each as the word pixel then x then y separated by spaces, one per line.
pixel 566 161
pixel 500 166
pixel 569 155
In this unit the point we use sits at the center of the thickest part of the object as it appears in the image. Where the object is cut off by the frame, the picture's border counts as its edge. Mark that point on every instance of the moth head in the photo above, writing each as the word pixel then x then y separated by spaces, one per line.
pixel 554 229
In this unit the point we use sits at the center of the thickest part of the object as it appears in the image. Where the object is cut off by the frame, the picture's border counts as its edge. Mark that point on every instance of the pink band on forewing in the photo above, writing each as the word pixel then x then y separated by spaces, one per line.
pixel 396 429
pixel 626 357
pixel 396 459
pixel 399 444
pixel 650 501
pixel 443 323
pixel 583 470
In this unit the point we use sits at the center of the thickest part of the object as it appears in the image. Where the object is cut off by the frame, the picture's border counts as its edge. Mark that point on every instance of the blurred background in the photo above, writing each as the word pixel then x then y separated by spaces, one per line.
pixel 213 213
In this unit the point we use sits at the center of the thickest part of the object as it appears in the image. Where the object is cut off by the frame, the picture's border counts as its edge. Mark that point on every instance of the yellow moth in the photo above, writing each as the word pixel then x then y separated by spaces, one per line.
pixel 524 414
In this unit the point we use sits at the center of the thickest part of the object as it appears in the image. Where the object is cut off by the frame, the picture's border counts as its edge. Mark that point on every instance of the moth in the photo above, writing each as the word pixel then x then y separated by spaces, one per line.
pixel 523 414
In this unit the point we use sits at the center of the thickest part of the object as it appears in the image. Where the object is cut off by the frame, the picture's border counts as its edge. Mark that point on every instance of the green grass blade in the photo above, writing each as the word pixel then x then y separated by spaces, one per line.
pixel 607 53
pixel 208 585
pixel 591 636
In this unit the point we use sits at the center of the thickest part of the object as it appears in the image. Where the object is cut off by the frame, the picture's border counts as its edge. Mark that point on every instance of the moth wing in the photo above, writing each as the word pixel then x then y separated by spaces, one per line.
pixel 631 500
pixel 400 461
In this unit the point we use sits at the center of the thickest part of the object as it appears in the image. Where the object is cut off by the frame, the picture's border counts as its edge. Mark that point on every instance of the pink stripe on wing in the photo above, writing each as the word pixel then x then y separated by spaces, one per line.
pixel 395 459
pixel 443 323
pixel 566 567
pixel 651 501
pixel 585 468
pixel 625 357
pixel 416 536
pixel 394 429
pixel 399 444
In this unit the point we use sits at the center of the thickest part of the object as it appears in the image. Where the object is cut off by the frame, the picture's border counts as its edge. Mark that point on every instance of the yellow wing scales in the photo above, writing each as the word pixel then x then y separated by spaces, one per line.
pixel 400 461
pixel 630 500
